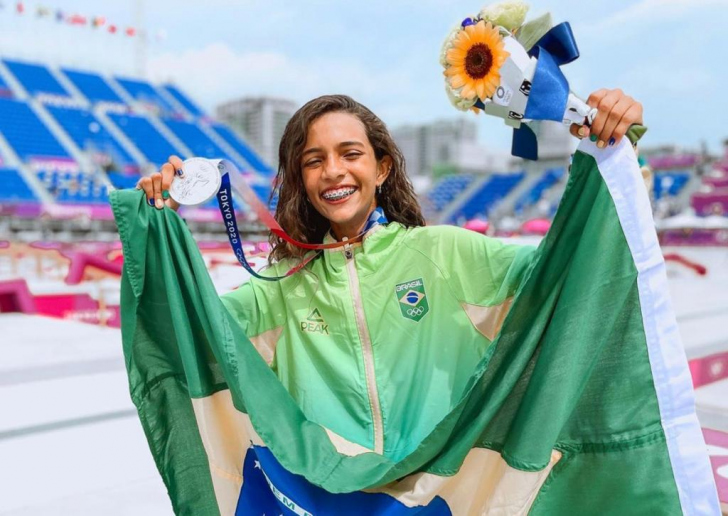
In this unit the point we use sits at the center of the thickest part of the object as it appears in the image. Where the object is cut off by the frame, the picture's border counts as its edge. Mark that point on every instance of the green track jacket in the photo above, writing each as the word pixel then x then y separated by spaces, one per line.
pixel 369 334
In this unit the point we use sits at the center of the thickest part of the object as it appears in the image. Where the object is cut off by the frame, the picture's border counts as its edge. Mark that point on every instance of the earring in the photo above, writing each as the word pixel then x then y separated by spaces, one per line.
pixel 379 189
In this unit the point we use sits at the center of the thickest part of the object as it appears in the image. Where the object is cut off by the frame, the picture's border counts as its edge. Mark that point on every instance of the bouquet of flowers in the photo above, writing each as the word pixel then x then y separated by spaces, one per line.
pixel 496 63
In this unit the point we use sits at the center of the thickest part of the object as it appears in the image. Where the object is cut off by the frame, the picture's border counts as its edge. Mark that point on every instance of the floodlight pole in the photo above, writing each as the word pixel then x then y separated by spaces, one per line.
pixel 140 45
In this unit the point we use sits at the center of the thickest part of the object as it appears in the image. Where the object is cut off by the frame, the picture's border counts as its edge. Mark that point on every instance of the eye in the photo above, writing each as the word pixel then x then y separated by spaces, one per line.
pixel 352 155
pixel 312 162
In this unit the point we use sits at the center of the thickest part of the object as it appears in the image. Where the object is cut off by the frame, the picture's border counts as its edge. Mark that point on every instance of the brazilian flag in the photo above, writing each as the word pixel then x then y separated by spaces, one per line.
pixel 583 403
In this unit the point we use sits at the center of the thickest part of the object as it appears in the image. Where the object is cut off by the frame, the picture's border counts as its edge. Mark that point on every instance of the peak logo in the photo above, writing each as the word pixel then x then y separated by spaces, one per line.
pixel 315 323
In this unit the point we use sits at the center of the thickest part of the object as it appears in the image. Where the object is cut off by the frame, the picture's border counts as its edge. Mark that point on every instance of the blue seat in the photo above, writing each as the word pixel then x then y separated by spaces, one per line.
pixel 93 86
pixel 5 91
pixel 74 187
pixel 86 131
pixel 145 92
pixel 14 188
pixel 26 134
pixel 35 78
pixel 485 197
pixel 533 195
pixel 447 189
pixel 669 184
pixel 183 99
pixel 155 147
pixel 195 139
pixel 242 148
pixel 123 181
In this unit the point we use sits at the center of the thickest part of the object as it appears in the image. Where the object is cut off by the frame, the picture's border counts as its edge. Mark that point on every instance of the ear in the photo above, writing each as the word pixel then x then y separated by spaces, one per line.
pixel 383 169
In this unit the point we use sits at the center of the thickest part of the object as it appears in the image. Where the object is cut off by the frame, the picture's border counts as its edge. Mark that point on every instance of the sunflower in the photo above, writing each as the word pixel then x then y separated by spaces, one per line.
pixel 475 59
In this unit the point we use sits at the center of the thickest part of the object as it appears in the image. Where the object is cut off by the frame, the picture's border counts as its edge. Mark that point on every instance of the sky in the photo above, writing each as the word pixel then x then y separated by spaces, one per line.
pixel 664 53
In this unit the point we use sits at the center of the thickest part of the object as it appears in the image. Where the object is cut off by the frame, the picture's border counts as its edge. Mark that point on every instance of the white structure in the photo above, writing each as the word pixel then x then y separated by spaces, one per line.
pixel 450 144
pixel 261 120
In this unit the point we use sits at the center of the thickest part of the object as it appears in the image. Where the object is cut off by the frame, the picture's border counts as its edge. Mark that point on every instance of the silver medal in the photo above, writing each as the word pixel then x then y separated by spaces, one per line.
pixel 199 183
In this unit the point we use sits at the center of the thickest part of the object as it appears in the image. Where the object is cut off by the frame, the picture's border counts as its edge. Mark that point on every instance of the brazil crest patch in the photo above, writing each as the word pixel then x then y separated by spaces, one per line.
pixel 412 299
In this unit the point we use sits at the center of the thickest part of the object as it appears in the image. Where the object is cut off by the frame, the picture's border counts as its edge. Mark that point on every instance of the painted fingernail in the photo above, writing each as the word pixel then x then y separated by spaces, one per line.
pixel 179 172
pixel 601 144
pixel 159 204
pixel 165 194
pixel 593 137
pixel 612 141
pixel 151 202
pixel 582 131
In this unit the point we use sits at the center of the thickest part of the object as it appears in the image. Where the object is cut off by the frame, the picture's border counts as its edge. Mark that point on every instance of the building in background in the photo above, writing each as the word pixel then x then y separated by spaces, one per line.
pixel 261 120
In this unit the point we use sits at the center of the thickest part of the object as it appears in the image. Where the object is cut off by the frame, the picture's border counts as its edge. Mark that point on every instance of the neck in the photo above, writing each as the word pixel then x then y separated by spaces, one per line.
pixel 351 229
pixel 348 231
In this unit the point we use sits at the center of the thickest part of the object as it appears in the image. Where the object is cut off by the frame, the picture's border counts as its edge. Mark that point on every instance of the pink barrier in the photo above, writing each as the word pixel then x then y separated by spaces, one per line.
pixel 78 307
pixel 477 225
pixel 718 460
pixel 711 203
pixel 536 227
pixel 666 162
pixel 15 297
pixel 709 369
pixel 83 263
pixel 716 182
pixel 694 237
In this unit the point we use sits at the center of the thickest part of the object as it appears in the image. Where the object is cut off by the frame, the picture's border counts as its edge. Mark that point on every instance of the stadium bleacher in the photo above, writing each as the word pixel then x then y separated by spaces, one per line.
pixel 184 100
pixel 86 131
pixel 195 139
pixel 35 78
pixel 669 184
pixel 534 194
pixel 485 197
pixel 143 91
pixel 92 86
pixel 14 188
pixel 26 134
pixel 243 149
pixel 5 91
pixel 121 180
pixel 447 189
pixel 74 187
pixel 155 147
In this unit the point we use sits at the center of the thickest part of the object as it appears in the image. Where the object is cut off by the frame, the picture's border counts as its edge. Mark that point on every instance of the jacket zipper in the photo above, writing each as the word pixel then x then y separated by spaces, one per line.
pixel 366 345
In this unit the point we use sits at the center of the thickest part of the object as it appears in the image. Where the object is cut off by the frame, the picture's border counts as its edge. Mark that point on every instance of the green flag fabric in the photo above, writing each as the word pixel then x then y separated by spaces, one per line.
pixel 582 402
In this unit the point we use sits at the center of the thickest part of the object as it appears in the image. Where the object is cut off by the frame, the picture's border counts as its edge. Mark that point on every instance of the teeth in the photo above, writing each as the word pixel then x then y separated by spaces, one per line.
pixel 339 193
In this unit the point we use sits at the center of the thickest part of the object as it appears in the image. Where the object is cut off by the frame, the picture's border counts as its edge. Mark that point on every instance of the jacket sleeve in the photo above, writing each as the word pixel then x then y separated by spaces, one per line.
pixel 480 270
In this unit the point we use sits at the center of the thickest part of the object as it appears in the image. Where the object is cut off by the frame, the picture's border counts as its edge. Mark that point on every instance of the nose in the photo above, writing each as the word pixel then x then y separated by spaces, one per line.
pixel 333 169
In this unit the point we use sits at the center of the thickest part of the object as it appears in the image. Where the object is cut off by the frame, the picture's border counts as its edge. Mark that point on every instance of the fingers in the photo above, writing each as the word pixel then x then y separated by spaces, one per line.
pixel 616 112
pixel 168 173
pixel 604 107
pixel 631 117
pixel 580 131
pixel 596 97
pixel 176 162
pixel 157 185
pixel 614 117
pixel 145 184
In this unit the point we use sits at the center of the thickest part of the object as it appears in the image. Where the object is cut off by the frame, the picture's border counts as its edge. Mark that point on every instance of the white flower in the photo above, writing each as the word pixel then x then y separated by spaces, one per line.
pixel 447 44
pixel 457 101
pixel 509 14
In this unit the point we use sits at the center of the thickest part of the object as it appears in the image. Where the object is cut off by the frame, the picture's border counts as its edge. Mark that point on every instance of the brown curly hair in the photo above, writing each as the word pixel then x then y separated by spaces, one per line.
pixel 295 213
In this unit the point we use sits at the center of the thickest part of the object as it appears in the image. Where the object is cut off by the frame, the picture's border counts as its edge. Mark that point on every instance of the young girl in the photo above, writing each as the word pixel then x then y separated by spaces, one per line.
pixel 396 318
pixel 377 341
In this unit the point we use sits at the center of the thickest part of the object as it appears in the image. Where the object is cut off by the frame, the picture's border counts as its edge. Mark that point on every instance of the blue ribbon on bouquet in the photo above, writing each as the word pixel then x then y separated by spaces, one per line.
pixel 549 87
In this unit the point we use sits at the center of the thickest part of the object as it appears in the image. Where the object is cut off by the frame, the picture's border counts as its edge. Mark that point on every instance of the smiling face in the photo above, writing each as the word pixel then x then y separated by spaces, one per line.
pixel 341 172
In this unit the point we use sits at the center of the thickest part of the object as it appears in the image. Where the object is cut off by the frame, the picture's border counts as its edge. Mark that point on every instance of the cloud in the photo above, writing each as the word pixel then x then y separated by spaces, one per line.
pixel 216 73
pixel 650 12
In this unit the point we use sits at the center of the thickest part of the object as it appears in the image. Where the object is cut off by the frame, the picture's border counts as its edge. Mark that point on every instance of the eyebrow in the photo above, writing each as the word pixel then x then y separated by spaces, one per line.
pixel 342 144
